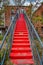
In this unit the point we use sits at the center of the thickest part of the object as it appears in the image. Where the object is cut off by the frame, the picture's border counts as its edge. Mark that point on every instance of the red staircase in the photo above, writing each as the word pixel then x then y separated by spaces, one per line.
pixel 21 52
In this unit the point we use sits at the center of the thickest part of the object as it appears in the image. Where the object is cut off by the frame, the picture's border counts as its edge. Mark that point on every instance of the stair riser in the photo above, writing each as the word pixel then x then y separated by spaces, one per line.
pixel 20 38
pixel 20 57
pixel 22 32
pixel 20 46
pixel 21 51
pixel 20 41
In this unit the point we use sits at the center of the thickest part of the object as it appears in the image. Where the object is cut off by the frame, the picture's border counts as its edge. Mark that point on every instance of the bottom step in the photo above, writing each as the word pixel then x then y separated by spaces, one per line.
pixel 22 61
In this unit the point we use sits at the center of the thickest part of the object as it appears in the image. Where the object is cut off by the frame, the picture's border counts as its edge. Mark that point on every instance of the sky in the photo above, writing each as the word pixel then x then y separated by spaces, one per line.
pixel 26 2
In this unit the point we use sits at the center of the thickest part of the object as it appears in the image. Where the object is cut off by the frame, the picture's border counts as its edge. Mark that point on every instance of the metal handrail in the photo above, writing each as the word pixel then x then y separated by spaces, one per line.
pixel 5 36
pixel 41 43
pixel 1 45
pixel 10 30
pixel 33 29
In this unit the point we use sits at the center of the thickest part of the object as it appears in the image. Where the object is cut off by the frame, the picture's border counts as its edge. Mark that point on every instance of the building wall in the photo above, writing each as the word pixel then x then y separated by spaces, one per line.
pixel 38 25
pixel 39 11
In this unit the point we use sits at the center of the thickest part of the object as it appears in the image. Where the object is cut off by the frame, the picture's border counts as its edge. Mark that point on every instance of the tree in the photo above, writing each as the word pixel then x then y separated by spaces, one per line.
pixel 37 2
pixel 41 2
pixel 19 2
pixel 0 1
pixel 5 2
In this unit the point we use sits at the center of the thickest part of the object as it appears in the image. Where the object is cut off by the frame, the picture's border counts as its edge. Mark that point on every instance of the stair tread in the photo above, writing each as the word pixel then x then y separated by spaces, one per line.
pixel 21 40
pixel 21 48
pixel 21 44
pixel 21 55
pixel 20 34
pixel 22 61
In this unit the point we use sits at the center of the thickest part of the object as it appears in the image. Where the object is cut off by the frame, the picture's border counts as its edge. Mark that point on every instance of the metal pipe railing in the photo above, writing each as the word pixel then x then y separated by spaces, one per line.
pixel 33 31
pixel 9 28
pixel 9 31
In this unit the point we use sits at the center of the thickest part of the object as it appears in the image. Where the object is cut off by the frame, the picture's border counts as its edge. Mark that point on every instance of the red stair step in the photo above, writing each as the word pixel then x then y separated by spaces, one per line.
pixel 21 35
pixel 21 32
pixel 20 38
pixel 21 49
pixel 20 46
pixel 21 55
pixel 23 61
pixel 16 51
pixel 21 41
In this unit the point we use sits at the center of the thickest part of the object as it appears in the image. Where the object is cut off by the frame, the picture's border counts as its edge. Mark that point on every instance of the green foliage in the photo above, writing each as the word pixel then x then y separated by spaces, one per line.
pixel 0 1
pixel 1 18
pixel 1 23
pixel 7 60
pixel 42 20
pixel 41 2
pixel 2 54
pixel 1 11
pixel 37 19
pixel 7 37
pixel 39 49
pixel 1 36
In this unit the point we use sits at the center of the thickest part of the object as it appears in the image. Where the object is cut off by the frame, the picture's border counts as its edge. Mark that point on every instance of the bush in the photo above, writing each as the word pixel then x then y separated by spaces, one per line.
pixel 1 23
pixel 36 19
pixel 1 54
pixel 39 49
pixel 1 36
pixel 42 20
